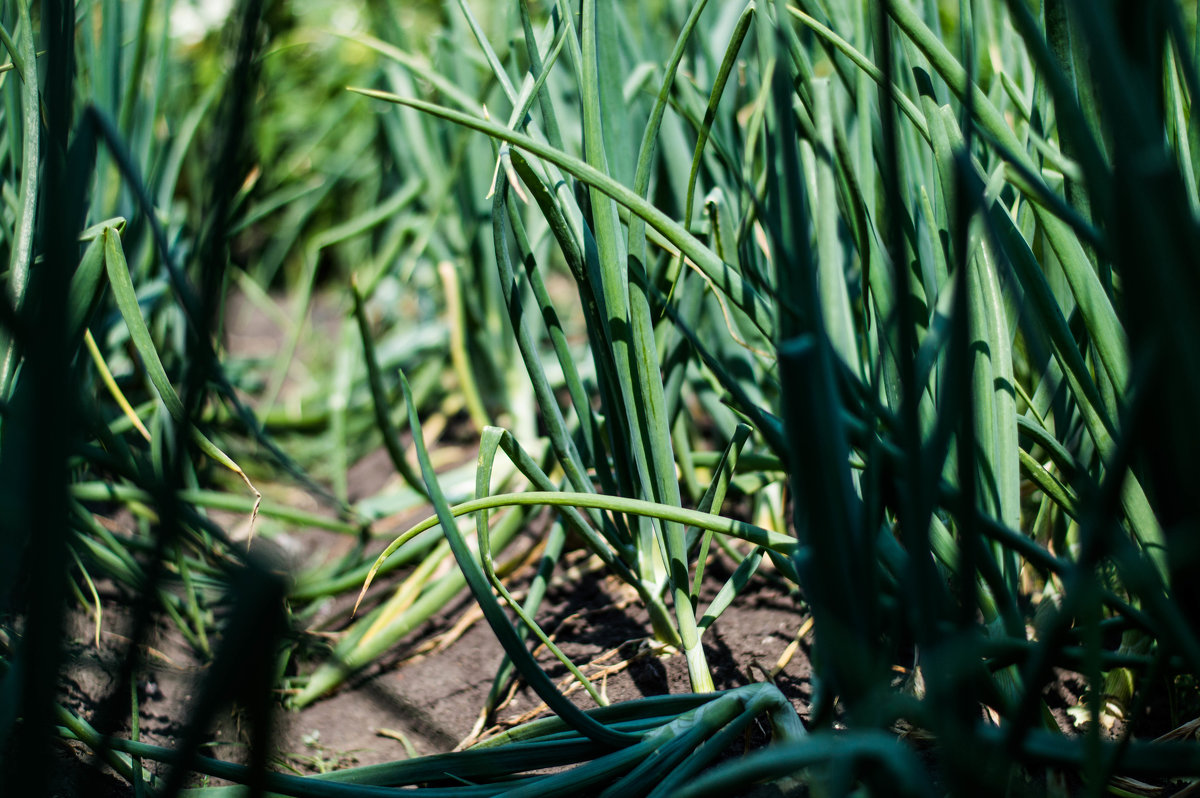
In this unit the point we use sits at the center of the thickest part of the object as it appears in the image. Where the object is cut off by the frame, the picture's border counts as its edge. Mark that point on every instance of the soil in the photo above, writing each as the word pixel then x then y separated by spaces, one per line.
pixel 431 701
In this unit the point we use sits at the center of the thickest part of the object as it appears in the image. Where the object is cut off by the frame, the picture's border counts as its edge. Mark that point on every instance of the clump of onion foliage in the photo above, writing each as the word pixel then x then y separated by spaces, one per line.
pixel 914 278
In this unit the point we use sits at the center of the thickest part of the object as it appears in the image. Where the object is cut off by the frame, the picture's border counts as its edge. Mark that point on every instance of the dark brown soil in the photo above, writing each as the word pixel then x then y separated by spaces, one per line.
pixel 433 700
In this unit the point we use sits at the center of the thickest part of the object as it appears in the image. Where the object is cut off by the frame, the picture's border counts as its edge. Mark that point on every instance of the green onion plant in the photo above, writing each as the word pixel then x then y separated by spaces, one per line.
pixel 912 279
